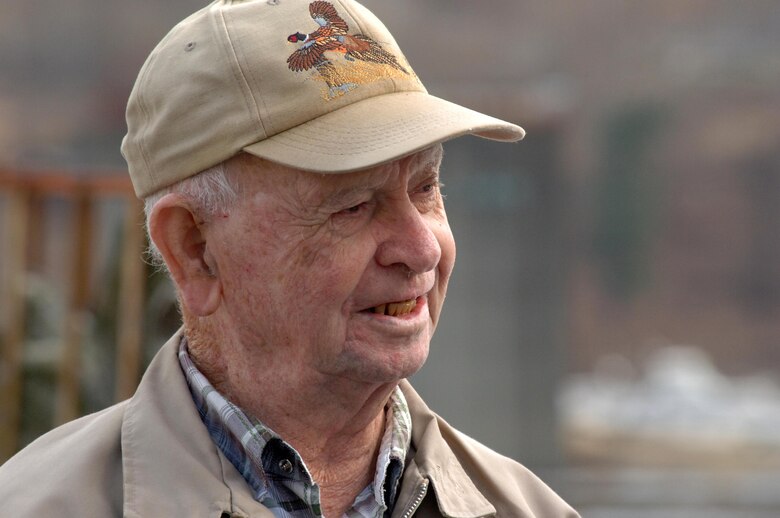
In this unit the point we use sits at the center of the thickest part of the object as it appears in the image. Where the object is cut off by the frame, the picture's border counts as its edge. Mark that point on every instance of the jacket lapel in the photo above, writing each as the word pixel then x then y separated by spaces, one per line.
pixel 456 494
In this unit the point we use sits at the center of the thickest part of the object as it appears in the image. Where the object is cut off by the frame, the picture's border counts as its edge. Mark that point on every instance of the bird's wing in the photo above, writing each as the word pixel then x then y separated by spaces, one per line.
pixel 326 11
pixel 311 56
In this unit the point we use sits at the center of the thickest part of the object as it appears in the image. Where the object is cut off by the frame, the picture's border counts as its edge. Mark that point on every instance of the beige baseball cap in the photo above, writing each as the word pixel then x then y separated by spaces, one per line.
pixel 315 85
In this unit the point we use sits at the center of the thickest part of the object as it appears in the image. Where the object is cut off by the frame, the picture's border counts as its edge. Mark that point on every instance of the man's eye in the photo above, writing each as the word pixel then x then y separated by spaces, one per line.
pixel 431 186
pixel 353 209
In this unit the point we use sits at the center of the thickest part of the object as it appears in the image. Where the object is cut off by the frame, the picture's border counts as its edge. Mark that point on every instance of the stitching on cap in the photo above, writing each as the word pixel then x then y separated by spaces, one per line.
pixel 143 135
pixel 239 74
pixel 310 142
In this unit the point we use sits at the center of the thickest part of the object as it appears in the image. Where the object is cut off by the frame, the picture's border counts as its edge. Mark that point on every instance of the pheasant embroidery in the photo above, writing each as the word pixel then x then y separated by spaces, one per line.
pixel 364 60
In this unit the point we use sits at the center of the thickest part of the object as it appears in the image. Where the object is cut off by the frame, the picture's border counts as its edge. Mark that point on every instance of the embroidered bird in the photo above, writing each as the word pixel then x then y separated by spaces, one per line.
pixel 331 36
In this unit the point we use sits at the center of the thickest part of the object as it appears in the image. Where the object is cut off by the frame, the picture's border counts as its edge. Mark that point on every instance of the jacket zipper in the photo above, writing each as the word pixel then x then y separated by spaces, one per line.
pixel 421 492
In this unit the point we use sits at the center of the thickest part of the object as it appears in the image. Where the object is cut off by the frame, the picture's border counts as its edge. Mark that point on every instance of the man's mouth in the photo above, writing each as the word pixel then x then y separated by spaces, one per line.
pixel 395 309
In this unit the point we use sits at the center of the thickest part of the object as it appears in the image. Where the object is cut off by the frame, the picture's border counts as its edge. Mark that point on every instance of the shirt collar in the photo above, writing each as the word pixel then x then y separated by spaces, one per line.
pixel 392 452
pixel 243 440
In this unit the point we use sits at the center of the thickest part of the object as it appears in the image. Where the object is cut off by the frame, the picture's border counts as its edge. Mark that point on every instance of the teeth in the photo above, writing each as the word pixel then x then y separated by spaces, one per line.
pixel 396 309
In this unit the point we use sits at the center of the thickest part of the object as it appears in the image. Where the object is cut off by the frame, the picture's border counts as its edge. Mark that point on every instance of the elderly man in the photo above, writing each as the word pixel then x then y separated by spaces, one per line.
pixel 289 158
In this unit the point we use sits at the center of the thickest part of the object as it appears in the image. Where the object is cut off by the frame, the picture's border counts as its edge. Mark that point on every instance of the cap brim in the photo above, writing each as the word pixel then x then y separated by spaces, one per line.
pixel 378 130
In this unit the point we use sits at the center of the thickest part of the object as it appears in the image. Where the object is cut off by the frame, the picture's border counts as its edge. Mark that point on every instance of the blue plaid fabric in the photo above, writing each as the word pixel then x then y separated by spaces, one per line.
pixel 273 469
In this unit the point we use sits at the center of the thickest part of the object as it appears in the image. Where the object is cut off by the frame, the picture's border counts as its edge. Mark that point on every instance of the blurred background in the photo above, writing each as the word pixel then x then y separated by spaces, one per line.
pixel 614 317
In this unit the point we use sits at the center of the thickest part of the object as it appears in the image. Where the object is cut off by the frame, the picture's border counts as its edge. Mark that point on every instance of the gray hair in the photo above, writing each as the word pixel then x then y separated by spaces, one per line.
pixel 210 192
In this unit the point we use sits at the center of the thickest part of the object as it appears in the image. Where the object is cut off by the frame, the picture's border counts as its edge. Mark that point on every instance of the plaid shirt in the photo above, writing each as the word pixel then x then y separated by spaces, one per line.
pixel 273 469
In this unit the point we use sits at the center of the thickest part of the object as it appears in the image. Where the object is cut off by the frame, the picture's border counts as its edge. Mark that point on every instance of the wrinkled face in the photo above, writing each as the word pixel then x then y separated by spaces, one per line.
pixel 336 275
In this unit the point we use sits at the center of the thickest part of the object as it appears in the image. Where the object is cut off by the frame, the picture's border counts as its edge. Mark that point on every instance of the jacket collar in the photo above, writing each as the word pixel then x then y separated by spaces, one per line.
pixel 164 440
pixel 456 494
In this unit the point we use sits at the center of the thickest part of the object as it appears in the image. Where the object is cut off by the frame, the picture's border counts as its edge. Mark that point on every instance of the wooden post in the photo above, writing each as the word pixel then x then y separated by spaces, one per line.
pixel 131 293
pixel 15 251
pixel 68 396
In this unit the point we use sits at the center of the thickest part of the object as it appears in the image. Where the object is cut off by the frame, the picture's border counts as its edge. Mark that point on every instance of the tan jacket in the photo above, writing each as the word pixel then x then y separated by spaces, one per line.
pixel 151 457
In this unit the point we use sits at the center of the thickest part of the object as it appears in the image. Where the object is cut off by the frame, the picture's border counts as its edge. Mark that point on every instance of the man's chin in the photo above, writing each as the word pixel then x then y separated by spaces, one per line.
pixel 386 368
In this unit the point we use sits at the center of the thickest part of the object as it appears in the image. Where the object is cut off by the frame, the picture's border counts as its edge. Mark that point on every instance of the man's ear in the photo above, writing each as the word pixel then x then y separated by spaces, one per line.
pixel 179 237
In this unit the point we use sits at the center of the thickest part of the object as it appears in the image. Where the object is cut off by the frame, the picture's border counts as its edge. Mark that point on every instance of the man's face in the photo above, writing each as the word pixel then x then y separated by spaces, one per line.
pixel 335 275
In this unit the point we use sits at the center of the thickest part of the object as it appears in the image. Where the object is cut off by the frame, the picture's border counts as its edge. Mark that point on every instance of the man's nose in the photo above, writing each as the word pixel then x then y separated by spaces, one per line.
pixel 406 238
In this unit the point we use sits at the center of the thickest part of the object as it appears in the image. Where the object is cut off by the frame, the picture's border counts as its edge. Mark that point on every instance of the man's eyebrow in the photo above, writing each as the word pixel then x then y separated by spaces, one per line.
pixel 428 169
pixel 430 159
pixel 339 196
